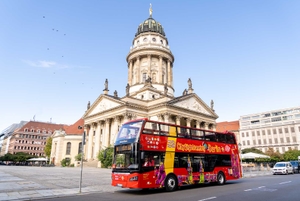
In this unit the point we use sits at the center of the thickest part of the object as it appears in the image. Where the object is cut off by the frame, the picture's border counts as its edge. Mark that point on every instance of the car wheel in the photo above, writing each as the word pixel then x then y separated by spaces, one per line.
pixel 221 178
pixel 171 183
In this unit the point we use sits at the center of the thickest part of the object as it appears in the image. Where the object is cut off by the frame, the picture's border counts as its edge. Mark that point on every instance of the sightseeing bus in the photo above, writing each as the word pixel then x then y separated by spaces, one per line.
pixel 151 154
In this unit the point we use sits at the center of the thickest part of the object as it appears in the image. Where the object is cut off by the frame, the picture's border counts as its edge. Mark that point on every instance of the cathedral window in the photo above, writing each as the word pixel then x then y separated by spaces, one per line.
pixel 68 151
pixel 144 77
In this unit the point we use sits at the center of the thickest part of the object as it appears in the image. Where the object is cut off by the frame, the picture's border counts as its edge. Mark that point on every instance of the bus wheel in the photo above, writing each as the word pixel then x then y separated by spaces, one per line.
pixel 171 183
pixel 221 178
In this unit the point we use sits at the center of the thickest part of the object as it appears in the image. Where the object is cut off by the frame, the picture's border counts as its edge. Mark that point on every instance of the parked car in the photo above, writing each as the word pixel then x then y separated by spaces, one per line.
pixel 295 165
pixel 2 163
pixel 283 168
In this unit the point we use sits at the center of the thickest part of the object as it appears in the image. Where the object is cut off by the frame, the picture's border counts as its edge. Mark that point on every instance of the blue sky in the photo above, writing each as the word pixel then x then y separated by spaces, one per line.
pixel 55 55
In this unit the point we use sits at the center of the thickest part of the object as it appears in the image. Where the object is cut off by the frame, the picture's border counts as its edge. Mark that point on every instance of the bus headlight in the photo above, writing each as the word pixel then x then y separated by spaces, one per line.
pixel 135 178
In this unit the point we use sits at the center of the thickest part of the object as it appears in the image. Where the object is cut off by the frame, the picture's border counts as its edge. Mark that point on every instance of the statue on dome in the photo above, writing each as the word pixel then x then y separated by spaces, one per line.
pixel 89 105
pixel 212 105
pixel 190 83
pixel 165 89
pixel 115 93
pixel 127 89
pixel 150 10
pixel 106 85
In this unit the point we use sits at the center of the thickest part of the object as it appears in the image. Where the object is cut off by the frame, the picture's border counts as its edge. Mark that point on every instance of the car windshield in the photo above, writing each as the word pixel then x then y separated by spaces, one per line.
pixel 280 165
pixel 294 163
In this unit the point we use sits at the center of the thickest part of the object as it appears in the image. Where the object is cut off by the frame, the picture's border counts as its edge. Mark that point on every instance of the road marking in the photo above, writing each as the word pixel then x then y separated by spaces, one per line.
pixel 248 190
pixel 286 182
pixel 210 198
pixel 261 187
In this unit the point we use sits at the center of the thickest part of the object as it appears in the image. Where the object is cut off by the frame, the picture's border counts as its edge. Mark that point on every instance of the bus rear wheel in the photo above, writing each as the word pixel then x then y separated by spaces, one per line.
pixel 221 178
pixel 171 183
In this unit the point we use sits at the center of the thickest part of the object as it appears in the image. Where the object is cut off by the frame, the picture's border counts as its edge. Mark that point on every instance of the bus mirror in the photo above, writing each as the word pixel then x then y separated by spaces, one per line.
pixel 142 155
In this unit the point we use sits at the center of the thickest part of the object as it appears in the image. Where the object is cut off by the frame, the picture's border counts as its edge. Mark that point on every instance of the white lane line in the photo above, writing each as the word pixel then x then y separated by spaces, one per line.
pixel 210 198
pixel 261 187
pixel 286 182
pixel 248 189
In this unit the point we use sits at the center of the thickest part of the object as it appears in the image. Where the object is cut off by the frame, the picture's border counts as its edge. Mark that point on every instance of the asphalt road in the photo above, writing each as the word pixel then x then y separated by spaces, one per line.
pixel 58 183
pixel 264 188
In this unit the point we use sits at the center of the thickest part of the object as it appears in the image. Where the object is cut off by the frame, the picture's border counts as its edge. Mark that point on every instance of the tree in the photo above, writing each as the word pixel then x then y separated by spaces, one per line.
pixel 48 146
pixel 78 157
pixel 106 156
pixel 252 149
pixel 291 155
pixel 275 156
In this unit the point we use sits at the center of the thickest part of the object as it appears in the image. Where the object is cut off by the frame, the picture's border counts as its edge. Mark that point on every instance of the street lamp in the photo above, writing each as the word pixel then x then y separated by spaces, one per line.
pixel 81 160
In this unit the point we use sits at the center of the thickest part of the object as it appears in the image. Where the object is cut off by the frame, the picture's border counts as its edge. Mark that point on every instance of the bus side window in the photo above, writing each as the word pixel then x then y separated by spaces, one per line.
pixel 198 135
pixel 221 138
pixel 164 129
pixel 230 139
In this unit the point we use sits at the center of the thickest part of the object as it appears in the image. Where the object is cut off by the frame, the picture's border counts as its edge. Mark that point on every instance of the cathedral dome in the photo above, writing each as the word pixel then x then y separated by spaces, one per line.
pixel 150 25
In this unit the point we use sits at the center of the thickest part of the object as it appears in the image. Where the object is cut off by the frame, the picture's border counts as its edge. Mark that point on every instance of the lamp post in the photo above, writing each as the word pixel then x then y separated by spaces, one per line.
pixel 240 152
pixel 81 160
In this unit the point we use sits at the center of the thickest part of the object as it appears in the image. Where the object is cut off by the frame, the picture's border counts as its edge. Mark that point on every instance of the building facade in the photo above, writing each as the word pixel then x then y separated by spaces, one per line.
pixel 30 138
pixel 149 93
pixel 277 129
pixel 5 136
pixel 67 143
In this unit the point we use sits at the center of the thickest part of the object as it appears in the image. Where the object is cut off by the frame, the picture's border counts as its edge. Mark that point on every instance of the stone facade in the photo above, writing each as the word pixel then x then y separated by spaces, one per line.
pixel 277 129
pixel 149 93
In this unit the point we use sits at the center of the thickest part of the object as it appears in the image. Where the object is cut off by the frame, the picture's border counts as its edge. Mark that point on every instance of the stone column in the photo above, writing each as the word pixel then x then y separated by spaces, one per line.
pixel 166 117
pixel 160 73
pixel 169 73
pixel 106 133
pixel 188 122
pixel 90 143
pixel 149 65
pixel 178 120
pixel 197 124
pixel 116 123
pixel 138 78
pixel 97 140
pixel 130 73
pixel 206 125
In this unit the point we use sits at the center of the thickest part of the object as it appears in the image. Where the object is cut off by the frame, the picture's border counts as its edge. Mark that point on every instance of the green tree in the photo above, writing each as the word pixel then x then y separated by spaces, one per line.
pixel 291 155
pixel 65 162
pixel 106 157
pixel 252 149
pixel 48 146
pixel 275 156
pixel 22 157
pixel 78 157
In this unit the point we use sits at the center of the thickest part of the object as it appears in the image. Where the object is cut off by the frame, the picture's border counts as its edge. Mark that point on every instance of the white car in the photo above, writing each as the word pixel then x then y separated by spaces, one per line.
pixel 283 168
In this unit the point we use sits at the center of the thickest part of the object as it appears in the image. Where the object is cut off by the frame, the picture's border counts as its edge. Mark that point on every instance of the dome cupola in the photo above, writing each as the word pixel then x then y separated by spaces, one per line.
pixel 150 25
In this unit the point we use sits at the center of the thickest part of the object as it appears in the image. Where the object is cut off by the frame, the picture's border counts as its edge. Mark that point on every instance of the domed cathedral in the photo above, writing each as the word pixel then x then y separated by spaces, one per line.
pixel 149 93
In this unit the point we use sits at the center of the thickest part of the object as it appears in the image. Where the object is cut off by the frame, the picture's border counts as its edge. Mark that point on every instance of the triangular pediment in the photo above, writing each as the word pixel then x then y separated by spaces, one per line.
pixel 194 103
pixel 102 104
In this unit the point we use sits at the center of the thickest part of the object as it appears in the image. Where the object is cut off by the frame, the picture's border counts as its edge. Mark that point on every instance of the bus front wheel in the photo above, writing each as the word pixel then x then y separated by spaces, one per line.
pixel 171 183
pixel 221 178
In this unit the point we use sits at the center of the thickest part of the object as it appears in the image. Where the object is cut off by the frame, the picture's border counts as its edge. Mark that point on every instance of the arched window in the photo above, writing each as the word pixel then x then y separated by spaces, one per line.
pixel 79 147
pixel 68 152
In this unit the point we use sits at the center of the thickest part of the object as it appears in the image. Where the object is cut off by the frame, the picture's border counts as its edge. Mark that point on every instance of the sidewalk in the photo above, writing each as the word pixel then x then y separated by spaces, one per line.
pixel 30 183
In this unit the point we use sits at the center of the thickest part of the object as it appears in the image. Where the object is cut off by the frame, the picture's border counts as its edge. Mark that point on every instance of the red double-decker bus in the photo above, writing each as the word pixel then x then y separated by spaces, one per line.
pixel 151 154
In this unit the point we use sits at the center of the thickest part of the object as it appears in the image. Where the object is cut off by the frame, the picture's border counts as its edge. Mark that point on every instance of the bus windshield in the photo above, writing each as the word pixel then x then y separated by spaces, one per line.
pixel 129 132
